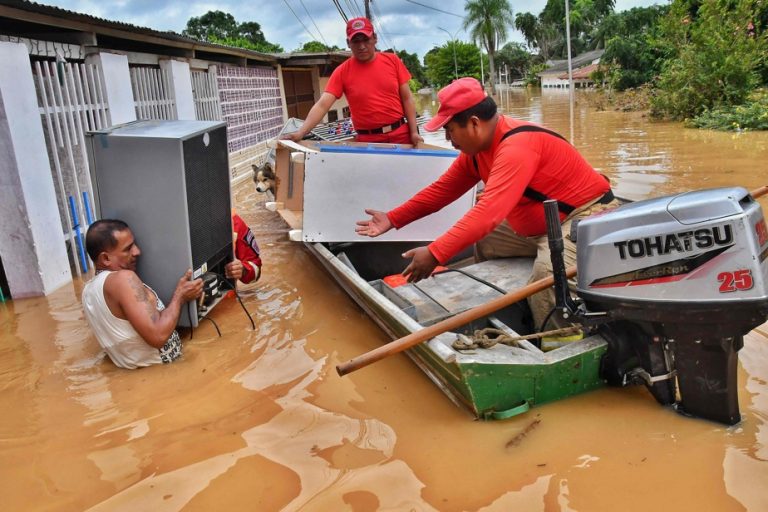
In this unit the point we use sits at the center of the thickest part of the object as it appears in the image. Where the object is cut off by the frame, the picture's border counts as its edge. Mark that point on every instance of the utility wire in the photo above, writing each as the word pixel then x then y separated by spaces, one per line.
pixel 388 40
pixel 312 37
pixel 341 11
pixel 352 6
pixel 435 8
pixel 375 8
pixel 313 22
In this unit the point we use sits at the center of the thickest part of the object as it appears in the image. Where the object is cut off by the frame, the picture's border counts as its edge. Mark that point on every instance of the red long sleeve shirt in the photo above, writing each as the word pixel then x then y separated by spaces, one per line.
pixel 538 160
pixel 246 249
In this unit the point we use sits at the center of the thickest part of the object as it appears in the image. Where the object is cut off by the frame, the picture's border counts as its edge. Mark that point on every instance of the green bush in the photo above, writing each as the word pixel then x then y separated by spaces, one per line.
pixel 631 61
pixel 531 76
pixel 752 115
pixel 414 85
pixel 718 59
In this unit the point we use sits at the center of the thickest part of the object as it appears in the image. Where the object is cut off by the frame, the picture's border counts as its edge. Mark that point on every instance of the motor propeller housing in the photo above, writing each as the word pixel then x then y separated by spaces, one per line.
pixel 681 279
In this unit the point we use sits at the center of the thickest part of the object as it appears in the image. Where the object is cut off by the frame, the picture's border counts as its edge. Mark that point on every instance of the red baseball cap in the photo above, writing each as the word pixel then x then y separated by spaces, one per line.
pixel 456 97
pixel 359 26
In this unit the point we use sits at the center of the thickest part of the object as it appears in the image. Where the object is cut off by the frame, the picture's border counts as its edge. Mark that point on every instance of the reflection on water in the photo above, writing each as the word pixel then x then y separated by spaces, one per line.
pixel 259 420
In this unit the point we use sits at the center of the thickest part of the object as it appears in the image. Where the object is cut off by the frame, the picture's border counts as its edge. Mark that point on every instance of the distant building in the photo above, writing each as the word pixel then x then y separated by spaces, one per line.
pixel 556 75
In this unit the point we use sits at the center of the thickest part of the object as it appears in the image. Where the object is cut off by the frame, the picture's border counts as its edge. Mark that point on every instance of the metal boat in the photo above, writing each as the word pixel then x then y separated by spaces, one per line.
pixel 662 320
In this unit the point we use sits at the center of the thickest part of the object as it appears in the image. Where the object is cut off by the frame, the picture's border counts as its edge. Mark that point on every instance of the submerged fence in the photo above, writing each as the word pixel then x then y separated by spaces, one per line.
pixel 72 102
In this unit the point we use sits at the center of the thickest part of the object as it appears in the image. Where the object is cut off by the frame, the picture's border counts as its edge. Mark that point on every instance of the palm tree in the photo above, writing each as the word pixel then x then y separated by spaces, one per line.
pixel 487 21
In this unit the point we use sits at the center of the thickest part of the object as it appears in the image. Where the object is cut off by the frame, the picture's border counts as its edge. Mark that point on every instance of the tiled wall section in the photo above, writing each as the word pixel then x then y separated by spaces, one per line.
pixel 250 103
pixel 241 162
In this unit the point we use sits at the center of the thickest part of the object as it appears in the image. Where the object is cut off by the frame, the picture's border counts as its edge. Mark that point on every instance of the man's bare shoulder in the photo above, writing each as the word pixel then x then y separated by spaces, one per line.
pixel 121 277
pixel 122 281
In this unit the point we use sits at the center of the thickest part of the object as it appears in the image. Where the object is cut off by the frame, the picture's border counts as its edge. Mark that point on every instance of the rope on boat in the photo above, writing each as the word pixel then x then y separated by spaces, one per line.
pixel 488 337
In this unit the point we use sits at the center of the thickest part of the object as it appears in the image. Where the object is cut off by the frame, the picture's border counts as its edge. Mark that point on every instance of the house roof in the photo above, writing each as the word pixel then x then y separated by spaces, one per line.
pixel 312 58
pixel 37 21
pixel 581 73
pixel 584 59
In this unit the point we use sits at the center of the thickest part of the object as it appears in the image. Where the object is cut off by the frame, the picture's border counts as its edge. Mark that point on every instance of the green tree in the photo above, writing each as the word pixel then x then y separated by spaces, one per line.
pixel 412 62
pixel 720 57
pixel 213 25
pixel 516 58
pixel 222 28
pixel 414 85
pixel 545 38
pixel 251 31
pixel 487 22
pixel 440 64
pixel 547 31
pixel 317 47
pixel 631 58
pixel 241 42
pixel 527 23
pixel 638 20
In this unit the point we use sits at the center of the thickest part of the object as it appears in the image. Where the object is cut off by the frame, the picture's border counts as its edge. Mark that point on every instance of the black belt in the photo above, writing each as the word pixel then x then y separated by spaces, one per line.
pixel 564 207
pixel 607 197
pixel 384 129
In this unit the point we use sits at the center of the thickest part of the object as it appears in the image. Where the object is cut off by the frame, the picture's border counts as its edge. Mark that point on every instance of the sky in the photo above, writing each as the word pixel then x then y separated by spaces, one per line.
pixel 412 25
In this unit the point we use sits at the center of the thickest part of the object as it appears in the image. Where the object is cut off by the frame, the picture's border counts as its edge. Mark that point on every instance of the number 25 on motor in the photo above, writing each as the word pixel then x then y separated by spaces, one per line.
pixel 735 281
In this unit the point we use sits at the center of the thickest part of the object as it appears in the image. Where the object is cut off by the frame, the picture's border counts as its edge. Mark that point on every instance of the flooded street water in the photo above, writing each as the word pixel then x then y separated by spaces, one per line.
pixel 260 421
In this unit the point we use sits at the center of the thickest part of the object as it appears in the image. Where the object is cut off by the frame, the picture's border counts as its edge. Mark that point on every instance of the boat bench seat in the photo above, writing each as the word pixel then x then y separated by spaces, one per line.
pixel 448 293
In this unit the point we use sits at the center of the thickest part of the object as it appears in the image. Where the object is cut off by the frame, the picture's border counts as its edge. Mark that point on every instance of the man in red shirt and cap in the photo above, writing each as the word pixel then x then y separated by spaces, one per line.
pixel 376 87
pixel 522 165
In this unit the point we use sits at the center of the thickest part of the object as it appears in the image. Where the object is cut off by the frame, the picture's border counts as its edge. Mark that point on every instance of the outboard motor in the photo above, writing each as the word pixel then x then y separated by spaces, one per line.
pixel 674 284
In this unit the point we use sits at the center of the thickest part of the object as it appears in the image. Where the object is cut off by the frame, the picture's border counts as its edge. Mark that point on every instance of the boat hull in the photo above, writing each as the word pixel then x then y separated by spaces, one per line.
pixel 488 387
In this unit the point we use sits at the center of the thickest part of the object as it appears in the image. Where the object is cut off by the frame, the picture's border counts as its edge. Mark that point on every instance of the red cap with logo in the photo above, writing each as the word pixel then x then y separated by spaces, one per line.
pixel 456 97
pixel 359 26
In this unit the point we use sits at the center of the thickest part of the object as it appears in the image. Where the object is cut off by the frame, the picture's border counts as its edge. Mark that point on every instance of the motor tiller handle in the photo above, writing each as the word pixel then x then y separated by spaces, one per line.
pixel 563 301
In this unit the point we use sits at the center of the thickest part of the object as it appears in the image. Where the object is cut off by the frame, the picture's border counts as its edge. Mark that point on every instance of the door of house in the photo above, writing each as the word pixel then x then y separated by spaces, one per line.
pixel 299 95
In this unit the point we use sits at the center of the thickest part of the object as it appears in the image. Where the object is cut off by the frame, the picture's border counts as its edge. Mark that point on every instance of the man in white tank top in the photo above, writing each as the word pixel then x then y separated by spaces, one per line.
pixel 128 318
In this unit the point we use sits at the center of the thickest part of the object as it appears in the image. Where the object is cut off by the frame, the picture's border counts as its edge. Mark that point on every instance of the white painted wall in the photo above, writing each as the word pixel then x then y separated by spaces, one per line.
pixel 31 240
pixel 338 105
pixel 117 81
pixel 282 92
pixel 181 84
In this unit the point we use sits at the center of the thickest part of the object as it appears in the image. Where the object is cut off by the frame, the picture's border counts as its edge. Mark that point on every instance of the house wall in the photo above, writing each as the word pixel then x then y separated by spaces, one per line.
pixel 339 105
pixel 556 82
pixel 33 249
pixel 252 107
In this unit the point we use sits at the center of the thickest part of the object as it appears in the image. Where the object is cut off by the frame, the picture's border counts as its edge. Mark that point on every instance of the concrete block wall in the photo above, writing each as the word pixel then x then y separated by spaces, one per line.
pixel 253 110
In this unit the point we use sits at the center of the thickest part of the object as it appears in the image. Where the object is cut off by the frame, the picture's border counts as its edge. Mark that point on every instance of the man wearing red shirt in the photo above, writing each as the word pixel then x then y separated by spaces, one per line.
pixel 521 164
pixel 376 87
pixel 247 263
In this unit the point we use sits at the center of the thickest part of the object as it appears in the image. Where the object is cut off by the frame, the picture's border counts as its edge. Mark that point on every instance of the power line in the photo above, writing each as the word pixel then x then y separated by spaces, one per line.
pixel 299 20
pixel 435 8
pixel 353 8
pixel 377 21
pixel 313 22
pixel 341 11
pixel 375 8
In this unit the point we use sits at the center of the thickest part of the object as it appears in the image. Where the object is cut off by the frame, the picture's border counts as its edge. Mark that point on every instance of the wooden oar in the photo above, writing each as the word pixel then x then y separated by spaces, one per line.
pixel 453 322
pixel 480 311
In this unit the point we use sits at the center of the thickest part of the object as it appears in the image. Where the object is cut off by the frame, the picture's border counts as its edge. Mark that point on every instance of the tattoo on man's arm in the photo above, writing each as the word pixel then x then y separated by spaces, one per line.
pixel 140 293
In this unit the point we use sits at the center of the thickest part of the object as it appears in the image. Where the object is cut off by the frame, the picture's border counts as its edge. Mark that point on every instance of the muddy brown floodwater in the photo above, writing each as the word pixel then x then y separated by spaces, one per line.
pixel 259 420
